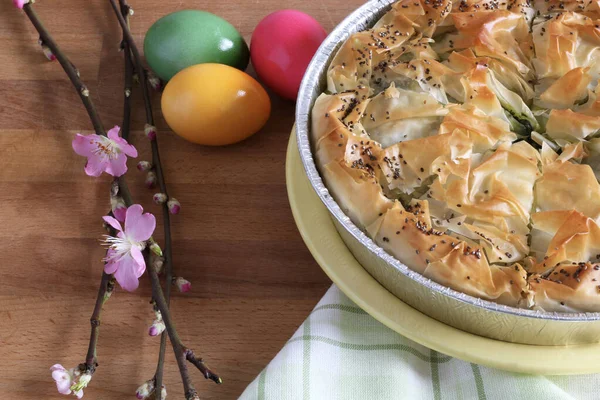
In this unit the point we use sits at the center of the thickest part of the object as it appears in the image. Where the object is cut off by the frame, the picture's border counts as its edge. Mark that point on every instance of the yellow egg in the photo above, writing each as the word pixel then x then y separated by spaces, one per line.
pixel 215 104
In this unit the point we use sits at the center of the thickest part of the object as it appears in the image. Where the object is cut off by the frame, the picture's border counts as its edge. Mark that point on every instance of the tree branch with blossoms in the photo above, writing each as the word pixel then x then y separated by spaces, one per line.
pixel 107 285
pixel 72 72
pixel 170 205
pixel 53 52
pixel 107 282
pixel 76 379
pixel 130 244
pixel 182 353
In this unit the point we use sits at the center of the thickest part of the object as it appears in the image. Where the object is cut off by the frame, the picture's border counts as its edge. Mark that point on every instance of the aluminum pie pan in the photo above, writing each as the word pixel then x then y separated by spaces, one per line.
pixel 457 309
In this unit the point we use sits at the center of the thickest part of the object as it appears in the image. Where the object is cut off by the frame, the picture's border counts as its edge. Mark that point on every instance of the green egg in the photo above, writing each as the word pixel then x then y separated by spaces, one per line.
pixel 190 37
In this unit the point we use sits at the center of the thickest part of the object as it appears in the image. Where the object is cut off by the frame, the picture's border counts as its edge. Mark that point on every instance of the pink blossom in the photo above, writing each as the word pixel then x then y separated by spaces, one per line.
pixel 118 208
pixel 158 326
pixel 154 81
pixel 104 153
pixel 69 381
pixel 174 205
pixel 144 166
pixel 150 181
pixel 124 257
pixel 62 377
pixel 20 3
pixel 183 284
pixel 48 53
pixel 120 213
pixel 159 198
pixel 150 131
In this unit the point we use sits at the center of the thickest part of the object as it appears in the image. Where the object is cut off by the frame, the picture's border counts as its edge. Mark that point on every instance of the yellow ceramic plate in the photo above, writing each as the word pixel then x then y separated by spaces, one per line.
pixel 331 253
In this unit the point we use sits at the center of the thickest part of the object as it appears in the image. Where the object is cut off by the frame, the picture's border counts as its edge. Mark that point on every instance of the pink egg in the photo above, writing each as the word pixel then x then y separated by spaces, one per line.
pixel 282 46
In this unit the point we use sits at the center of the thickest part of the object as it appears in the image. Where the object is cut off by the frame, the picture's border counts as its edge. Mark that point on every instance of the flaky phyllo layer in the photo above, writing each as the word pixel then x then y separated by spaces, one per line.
pixel 464 138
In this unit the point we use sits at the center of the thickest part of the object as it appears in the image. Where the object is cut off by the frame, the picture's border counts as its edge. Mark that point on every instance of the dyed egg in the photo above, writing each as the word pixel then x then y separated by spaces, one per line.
pixel 282 46
pixel 190 37
pixel 215 104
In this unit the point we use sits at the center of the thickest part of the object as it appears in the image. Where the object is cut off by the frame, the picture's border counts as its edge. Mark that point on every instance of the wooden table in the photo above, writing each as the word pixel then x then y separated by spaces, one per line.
pixel 253 279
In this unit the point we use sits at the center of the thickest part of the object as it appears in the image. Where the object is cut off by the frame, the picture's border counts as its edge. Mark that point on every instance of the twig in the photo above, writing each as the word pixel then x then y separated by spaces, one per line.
pixel 107 281
pixel 130 46
pixel 107 285
pixel 182 353
pixel 69 68
pixel 125 128
pixel 73 75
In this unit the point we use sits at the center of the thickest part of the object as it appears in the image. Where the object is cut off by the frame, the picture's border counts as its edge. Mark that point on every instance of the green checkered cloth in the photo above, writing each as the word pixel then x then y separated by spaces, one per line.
pixel 341 352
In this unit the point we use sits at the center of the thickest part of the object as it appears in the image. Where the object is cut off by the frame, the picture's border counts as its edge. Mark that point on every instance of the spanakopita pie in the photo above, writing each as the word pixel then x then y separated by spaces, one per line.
pixel 464 138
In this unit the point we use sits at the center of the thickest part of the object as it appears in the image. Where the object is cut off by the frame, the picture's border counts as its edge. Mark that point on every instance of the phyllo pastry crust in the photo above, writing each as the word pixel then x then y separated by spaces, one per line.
pixel 464 138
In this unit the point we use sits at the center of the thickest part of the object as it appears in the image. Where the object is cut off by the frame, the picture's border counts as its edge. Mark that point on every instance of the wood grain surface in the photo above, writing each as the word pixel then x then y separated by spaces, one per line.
pixel 253 279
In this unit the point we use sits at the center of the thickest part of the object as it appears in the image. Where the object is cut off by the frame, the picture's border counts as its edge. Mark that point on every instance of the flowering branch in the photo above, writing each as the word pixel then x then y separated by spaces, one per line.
pixel 73 74
pixel 161 299
pixel 122 12
pixel 128 83
pixel 107 284
pixel 107 281
pixel 182 353
pixel 70 70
